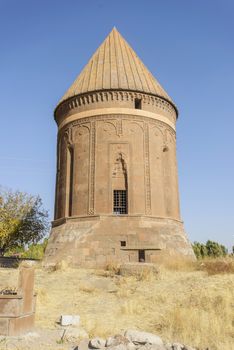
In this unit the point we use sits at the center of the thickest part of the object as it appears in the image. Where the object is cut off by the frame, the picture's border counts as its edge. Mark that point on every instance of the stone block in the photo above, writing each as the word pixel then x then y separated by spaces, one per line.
pixel 20 325
pixel 10 305
pixel 143 338
pixel 4 326
pixel 17 311
pixel 66 320
pixel 97 343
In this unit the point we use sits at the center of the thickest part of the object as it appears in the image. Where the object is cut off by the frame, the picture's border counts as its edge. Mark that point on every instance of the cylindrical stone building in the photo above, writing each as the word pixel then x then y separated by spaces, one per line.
pixel 117 188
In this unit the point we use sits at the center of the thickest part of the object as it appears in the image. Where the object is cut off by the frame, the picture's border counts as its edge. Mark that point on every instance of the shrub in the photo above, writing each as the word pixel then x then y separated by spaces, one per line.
pixel 35 251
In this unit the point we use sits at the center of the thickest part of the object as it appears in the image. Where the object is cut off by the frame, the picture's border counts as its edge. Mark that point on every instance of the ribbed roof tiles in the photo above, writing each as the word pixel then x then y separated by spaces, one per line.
pixel 115 66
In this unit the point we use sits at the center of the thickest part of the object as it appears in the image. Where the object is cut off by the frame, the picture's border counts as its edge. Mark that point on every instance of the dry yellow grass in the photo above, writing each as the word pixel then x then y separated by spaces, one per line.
pixel 217 266
pixel 180 304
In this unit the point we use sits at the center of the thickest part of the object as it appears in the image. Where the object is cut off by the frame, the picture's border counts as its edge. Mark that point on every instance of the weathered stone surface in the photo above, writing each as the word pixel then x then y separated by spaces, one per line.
pixel 138 337
pixel 161 233
pixel 97 343
pixel 116 340
pixel 131 346
pixel 83 344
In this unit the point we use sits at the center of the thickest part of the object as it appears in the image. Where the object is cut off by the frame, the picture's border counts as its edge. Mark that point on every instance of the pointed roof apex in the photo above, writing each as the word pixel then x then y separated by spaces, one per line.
pixel 115 66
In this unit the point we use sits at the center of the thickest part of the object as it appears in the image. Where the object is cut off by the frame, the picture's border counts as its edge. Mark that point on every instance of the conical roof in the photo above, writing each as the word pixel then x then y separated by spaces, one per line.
pixel 115 66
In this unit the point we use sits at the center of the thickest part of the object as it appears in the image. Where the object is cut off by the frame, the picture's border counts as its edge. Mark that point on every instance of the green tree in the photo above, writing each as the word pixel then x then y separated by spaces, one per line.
pixel 211 249
pixel 200 250
pixel 215 249
pixel 23 221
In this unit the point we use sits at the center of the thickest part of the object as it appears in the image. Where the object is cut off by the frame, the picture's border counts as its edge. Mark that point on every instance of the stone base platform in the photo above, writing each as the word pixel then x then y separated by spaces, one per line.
pixel 100 240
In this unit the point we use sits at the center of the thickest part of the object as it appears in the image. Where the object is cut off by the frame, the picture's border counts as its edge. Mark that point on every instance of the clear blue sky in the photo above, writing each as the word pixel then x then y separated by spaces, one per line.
pixel 188 45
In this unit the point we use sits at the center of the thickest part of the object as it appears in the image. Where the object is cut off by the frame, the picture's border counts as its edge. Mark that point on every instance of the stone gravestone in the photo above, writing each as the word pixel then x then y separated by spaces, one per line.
pixel 17 309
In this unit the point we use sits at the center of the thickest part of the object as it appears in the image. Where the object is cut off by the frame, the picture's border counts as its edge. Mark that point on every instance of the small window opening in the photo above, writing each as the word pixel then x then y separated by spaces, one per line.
pixel 123 243
pixel 120 202
pixel 165 149
pixel 137 103
pixel 141 255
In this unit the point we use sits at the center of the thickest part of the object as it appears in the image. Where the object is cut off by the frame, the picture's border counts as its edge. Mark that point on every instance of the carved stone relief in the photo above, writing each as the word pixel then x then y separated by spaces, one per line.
pixel 92 169
pixel 147 170
pixel 105 96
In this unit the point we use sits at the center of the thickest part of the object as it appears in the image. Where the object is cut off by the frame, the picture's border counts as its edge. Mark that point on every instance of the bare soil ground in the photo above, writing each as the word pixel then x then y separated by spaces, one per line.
pixel 180 304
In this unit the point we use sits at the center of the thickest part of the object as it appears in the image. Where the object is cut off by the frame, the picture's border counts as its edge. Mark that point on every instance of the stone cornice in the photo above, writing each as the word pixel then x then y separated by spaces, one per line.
pixel 103 216
pixel 113 95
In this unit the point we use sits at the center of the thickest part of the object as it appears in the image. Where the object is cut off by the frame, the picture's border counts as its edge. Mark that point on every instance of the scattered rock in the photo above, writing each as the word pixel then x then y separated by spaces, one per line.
pixel 131 340
pixel 177 346
pixel 137 337
pixel 97 343
pixel 83 345
pixel 116 340
pixel 131 346
pixel 110 341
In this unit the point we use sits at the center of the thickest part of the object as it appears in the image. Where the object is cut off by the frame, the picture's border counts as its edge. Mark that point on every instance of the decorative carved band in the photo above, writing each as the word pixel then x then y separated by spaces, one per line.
pixel 119 128
pixel 119 119
pixel 92 168
pixel 147 170
pixel 105 96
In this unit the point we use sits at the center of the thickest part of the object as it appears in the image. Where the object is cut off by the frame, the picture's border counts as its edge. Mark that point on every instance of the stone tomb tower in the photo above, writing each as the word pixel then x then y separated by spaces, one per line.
pixel 117 189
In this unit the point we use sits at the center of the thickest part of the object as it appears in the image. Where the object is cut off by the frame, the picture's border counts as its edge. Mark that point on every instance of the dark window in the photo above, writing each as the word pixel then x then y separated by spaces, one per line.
pixel 141 255
pixel 123 243
pixel 120 202
pixel 137 103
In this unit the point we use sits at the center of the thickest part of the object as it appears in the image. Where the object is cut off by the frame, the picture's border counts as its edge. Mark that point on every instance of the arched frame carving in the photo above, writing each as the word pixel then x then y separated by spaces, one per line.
pixel 117 121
